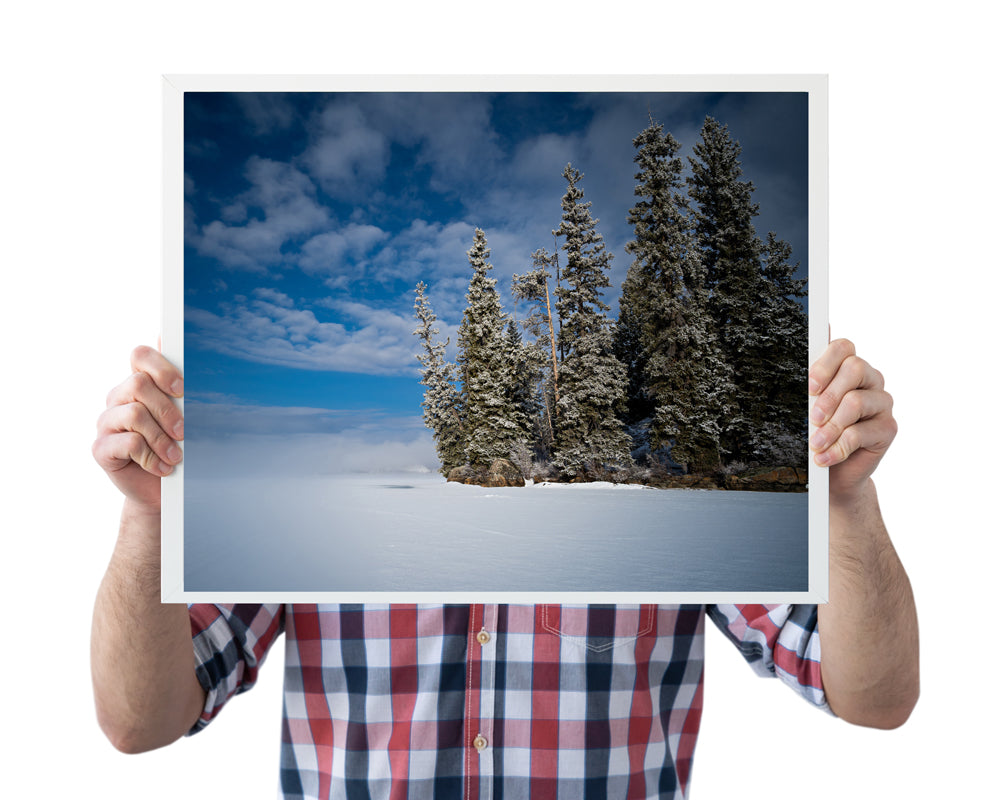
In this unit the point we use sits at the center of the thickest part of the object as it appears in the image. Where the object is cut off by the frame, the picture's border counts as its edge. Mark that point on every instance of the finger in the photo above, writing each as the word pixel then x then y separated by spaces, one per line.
pixel 828 364
pixel 873 436
pixel 164 374
pixel 116 451
pixel 853 373
pixel 857 405
pixel 140 388
pixel 135 418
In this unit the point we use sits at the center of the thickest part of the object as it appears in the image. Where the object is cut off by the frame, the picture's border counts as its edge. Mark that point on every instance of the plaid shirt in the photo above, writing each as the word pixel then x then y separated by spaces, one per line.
pixel 492 701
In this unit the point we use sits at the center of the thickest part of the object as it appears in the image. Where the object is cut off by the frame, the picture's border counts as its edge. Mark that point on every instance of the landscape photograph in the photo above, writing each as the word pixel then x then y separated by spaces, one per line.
pixel 524 341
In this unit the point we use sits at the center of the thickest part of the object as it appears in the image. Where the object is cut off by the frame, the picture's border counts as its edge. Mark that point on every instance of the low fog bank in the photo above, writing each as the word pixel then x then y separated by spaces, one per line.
pixel 304 455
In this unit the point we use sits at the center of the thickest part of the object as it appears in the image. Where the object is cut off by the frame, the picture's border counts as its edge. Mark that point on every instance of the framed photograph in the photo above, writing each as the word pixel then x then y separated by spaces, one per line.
pixel 495 339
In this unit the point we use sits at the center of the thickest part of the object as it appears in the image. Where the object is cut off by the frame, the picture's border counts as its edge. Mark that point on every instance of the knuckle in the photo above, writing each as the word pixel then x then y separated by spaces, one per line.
pixel 138 383
pixel 140 354
pixel 827 401
pixel 856 367
pixel 853 404
pixel 842 348
pixel 133 414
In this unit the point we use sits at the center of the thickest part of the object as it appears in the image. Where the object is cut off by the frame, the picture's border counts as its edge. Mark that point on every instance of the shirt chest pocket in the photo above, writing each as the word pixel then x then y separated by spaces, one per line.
pixel 598 628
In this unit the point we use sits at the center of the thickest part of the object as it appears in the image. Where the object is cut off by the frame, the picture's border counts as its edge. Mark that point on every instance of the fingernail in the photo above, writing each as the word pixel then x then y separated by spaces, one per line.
pixel 179 430
pixel 165 469
pixel 818 440
pixel 824 458
pixel 817 416
pixel 814 386
pixel 174 453
pixel 177 387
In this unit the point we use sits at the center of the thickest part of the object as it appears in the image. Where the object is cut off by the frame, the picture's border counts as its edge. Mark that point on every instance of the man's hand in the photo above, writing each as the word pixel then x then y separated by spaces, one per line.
pixel 142 662
pixel 138 432
pixel 868 629
pixel 853 415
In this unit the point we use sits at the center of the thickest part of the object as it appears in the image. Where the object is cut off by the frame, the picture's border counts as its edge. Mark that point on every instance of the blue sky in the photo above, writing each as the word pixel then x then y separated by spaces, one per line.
pixel 311 217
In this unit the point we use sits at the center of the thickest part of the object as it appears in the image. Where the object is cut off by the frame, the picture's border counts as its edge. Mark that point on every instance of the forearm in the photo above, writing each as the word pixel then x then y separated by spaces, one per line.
pixel 868 630
pixel 142 659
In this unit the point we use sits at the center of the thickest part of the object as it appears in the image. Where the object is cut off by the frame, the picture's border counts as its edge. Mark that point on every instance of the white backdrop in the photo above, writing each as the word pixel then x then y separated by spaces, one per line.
pixel 913 261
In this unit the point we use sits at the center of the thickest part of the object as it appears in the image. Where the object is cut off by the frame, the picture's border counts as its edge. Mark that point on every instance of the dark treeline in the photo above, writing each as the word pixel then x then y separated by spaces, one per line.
pixel 703 372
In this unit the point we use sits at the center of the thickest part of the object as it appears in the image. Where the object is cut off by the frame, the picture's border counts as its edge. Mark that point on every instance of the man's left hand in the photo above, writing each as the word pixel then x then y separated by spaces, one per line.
pixel 853 418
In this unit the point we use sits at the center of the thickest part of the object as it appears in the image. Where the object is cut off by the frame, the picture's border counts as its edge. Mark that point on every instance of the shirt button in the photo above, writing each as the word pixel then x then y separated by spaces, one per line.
pixel 482 637
pixel 479 743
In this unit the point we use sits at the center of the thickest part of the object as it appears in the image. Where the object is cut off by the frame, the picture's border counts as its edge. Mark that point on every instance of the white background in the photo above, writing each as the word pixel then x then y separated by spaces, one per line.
pixel 913 282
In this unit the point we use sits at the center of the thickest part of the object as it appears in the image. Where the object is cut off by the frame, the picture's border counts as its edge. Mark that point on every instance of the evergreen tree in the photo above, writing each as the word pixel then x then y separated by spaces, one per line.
pixel 522 381
pixel 751 295
pixel 665 325
pixel 628 349
pixel 491 426
pixel 533 287
pixel 442 402
pixel 592 382
pixel 782 438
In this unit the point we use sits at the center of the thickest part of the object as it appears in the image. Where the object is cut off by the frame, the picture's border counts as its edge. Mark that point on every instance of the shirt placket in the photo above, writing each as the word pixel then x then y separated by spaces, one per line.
pixel 480 702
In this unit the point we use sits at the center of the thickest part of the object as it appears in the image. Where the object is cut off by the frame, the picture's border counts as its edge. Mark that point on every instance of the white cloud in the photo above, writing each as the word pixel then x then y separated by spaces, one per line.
pixel 453 134
pixel 288 209
pixel 346 152
pixel 340 254
pixel 274 296
pixel 267 330
pixel 267 112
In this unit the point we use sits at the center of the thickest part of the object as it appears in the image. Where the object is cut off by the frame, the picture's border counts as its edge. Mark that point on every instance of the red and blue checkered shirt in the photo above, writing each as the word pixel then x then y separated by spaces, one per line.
pixel 492 702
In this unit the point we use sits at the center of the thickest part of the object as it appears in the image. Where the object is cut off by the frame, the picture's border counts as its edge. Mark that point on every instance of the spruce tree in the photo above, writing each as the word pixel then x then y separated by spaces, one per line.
pixel 782 438
pixel 491 427
pixel 592 382
pixel 752 312
pixel 442 402
pixel 664 319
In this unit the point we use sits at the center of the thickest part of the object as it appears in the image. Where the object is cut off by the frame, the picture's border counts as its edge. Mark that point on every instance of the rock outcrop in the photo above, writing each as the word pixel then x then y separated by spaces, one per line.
pixel 501 473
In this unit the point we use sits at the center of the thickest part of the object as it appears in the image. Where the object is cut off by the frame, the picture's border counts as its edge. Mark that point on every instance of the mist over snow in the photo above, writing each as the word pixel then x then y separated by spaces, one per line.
pixel 302 455
pixel 226 438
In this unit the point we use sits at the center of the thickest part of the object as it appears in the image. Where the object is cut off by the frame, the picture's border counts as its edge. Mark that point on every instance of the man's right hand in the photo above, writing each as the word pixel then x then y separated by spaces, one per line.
pixel 145 687
pixel 138 432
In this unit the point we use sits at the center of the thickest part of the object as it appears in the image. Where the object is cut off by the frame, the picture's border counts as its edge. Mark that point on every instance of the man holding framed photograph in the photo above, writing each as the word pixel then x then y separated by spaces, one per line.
pixel 401 701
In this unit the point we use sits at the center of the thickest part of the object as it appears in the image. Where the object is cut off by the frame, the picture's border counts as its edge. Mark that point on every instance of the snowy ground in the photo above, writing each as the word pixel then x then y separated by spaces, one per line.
pixel 413 532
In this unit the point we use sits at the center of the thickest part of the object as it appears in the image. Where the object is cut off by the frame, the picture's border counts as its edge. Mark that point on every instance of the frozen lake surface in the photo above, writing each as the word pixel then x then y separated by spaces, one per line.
pixel 415 532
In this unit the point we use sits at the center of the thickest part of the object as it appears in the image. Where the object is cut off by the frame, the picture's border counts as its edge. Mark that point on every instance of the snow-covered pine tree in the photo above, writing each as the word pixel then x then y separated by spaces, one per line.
pixel 592 382
pixel 522 364
pixel 782 440
pixel 490 421
pixel 639 406
pixel 664 304
pixel 442 402
pixel 533 287
pixel 750 310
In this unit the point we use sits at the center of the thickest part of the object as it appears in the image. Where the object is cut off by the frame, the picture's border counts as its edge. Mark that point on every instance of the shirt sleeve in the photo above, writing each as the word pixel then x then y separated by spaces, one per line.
pixel 777 641
pixel 230 644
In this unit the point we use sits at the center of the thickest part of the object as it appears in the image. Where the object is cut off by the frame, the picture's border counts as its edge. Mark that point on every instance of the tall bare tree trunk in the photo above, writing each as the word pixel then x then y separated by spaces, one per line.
pixel 552 340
